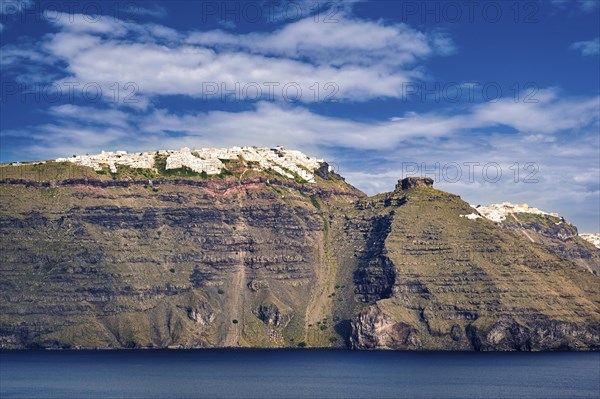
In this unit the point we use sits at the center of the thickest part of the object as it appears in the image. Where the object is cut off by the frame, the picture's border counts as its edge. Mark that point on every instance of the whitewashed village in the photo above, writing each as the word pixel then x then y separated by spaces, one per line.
pixel 498 212
pixel 288 163
pixel 592 238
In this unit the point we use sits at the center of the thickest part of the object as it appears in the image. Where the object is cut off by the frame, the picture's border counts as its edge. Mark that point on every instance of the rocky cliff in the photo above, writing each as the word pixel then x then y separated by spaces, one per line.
pixel 467 284
pixel 249 258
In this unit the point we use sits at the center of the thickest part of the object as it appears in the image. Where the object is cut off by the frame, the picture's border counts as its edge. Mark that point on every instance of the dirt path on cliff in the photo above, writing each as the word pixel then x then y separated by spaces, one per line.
pixel 236 304
pixel 319 303
pixel 523 229
pixel 236 309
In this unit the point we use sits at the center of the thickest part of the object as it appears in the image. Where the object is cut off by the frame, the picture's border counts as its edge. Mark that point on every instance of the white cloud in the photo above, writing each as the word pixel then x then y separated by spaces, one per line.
pixel 345 63
pixel 546 115
pixel 340 43
pixel 82 23
pixel 12 55
pixel 554 122
pixel 104 26
pixel 81 114
pixel 589 47
pixel 155 10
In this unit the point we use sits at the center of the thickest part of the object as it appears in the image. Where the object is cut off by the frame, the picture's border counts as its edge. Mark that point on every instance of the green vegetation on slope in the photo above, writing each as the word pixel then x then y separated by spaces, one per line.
pixel 295 265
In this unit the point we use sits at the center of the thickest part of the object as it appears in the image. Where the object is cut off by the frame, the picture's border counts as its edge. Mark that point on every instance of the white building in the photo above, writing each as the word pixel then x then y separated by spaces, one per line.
pixel 287 163
pixel 591 238
pixel 499 212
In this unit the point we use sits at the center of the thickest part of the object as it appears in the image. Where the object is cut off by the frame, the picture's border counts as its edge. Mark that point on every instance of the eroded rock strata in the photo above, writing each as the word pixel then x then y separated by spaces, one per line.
pixel 257 260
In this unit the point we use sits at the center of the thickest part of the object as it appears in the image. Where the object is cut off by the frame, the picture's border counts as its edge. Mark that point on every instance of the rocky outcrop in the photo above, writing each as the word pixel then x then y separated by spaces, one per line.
pixel 510 335
pixel 257 285
pixel 412 182
pixel 373 329
pixel 323 171
pixel 202 314
pixel 271 315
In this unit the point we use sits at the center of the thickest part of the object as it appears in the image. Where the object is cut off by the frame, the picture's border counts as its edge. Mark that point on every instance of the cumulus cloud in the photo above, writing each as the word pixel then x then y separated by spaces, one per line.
pixel 589 47
pixel 340 43
pixel 344 62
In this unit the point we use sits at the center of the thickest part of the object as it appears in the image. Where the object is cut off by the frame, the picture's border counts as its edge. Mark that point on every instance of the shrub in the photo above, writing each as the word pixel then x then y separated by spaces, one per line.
pixel 315 201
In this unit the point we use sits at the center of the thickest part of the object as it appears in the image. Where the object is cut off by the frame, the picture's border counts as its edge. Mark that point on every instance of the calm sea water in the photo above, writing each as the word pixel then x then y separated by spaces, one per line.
pixel 297 374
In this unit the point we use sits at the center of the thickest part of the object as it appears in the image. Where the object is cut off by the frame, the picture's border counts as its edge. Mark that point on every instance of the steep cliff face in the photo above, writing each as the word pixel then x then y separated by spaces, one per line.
pixel 471 284
pixel 257 260
pixel 184 263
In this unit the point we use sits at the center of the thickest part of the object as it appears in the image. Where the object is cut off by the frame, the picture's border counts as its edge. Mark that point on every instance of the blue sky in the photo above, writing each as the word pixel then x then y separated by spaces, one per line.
pixel 496 100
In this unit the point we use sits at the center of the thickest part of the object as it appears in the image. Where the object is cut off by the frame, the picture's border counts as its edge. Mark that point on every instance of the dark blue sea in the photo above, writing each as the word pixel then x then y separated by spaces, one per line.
pixel 297 374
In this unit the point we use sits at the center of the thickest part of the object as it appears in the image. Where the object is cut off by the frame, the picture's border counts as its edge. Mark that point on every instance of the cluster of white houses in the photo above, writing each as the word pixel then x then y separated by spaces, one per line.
pixel 184 157
pixel 498 212
pixel 593 238
pixel 288 163
pixel 142 160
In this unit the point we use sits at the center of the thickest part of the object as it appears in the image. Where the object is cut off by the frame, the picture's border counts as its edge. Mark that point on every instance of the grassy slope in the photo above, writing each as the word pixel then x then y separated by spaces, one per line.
pixel 465 266
pixel 474 267
pixel 97 285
